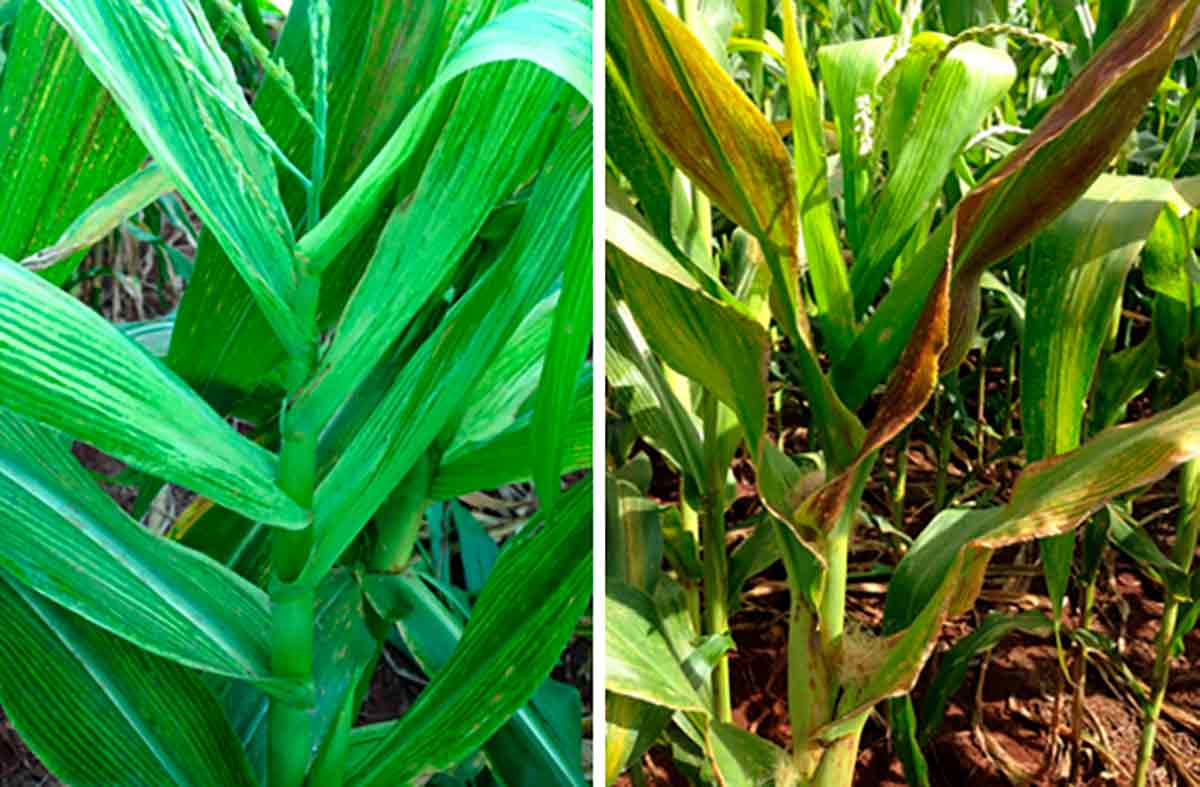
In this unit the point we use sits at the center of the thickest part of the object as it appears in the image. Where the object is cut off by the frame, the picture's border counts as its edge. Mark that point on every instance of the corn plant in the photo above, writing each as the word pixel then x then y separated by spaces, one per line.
pixel 391 294
pixel 702 339
pixel 1076 383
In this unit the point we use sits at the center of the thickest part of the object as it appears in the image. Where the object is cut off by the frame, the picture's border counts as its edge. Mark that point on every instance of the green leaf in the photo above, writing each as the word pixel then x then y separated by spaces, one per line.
pixel 968 83
pixel 63 141
pixel 477 547
pixel 631 728
pixel 516 98
pixel 104 215
pixel 640 662
pixel 97 710
pixel 343 648
pixel 570 339
pixel 227 537
pixel 525 750
pixel 68 540
pixel 903 721
pixel 505 458
pixel 630 148
pixel 154 336
pixel 1076 274
pixel 633 536
pixel 499 663
pixel 164 66
pixel 434 384
pixel 818 227
pixel 64 365
pixel 958 15
pixel 227 357
pixel 1135 542
pixel 740 758
pixel 716 343
pixel 1076 279
pixel 639 387
pixel 1122 377
pixel 952 667
pixel 1075 19
pixel 1168 262
pixel 503 394
pixel 849 73
pixel 554 35
pixel 753 556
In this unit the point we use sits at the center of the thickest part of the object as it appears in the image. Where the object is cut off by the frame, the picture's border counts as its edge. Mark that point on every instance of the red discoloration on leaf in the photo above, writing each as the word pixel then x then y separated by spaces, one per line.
pixel 1076 139
pixel 715 135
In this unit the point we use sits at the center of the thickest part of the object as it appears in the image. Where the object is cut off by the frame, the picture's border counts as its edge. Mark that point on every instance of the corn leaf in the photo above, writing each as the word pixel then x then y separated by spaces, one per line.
pixel 227 356
pixel 104 215
pixel 967 85
pixel 631 728
pixel 525 749
pixel 638 387
pixel 1079 134
pixel 435 383
pixel 952 669
pixel 640 662
pixel 631 149
pixel 133 718
pixel 1076 278
pixel 831 287
pixel 715 135
pixel 557 392
pixel 633 558
pixel 740 758
pixel 154 336
pixel 343 647
pixel 553 35
pixel 716 343
pixel 943 571
pixel 486 450
pixel 849 73
pixel 1129 537
pixel 504 391
pixel 1122 377
pixel 911 384
pixel 498 664
pixel 719 139
pixel 63 140
pixel 505 458
pixel 512 97
pixel 517 34
pixel 633 529
pixel 397 283
pixel 68 540
pixel 64 365
pixel 164 66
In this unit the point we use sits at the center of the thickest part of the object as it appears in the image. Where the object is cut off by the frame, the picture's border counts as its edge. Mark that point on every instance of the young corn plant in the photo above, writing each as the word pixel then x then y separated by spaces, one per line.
pixel 692 346
pixel 391 294
pixel 1076 384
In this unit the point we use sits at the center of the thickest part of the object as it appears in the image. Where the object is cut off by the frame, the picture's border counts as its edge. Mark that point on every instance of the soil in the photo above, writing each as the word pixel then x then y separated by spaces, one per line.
pixel 997 727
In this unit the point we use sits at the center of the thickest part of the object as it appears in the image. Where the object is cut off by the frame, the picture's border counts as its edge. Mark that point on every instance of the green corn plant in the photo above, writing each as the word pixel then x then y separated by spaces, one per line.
pixel 392 295
pixel 693 358
pixel 1123 221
